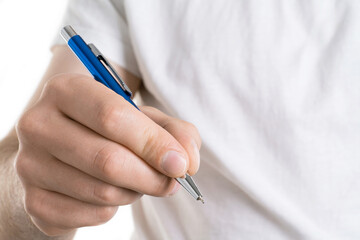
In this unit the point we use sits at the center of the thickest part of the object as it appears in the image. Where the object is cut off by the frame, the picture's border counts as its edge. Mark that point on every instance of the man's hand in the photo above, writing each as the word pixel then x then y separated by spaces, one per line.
pixel 84 151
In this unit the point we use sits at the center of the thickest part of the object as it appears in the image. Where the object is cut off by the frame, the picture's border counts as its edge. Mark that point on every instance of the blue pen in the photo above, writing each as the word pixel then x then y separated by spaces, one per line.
pixel 104 73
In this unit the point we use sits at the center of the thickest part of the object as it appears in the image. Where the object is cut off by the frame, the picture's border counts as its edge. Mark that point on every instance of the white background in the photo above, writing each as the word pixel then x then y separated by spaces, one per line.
pixel 27 28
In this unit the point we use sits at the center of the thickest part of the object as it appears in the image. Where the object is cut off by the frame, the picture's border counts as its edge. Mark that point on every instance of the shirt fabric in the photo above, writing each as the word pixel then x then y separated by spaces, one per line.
pixel 273 87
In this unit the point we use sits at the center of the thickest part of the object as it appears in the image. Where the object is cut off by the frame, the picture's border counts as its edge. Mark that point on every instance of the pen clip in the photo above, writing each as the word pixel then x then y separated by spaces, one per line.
pixel 110 69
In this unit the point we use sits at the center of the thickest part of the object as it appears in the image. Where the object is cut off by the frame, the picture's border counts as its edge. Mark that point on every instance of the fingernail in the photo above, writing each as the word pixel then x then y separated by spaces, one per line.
pixel 173 163
pixel 175 189
pixel 197 152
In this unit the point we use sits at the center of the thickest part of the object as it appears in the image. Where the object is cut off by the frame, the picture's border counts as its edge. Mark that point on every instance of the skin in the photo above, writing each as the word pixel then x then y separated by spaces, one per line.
pixel 80 150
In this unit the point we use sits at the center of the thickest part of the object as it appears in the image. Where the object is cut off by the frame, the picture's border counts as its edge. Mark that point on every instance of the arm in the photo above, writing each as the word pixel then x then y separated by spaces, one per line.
pixel 76 128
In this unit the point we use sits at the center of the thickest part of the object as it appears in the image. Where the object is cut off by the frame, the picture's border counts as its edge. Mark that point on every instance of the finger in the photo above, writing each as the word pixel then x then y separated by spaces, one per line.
pixel 59 177
pixel 108 114
pixel 94 155
pixel 185 133
pixel 62 213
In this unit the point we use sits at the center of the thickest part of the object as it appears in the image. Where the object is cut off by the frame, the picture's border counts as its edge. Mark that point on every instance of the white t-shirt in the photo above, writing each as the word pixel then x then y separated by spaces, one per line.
pixel 274 89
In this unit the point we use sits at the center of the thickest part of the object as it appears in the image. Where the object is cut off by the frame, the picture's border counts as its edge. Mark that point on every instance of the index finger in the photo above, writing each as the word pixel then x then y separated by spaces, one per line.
pixel 95 106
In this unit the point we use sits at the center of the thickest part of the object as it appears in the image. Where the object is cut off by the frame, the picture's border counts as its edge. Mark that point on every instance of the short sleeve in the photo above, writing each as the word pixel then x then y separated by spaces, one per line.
pixel 102 22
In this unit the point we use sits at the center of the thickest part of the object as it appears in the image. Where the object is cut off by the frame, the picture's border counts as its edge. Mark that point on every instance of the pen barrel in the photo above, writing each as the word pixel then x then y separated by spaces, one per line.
pixel 96 68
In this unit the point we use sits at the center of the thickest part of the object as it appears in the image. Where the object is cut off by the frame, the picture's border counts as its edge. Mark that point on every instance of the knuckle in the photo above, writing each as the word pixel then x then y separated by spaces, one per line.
pixel 151 138
pixel 105 194
pixel 57 83
pixel 29 123
pixel 106 162
pixel 53 86
pixel 109 117
pixel 62 83
pixel 33 203
pixel 104 214
pixel 22 164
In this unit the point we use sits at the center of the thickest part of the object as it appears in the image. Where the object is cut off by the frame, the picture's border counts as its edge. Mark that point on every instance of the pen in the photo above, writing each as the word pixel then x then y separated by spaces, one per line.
pixel 104 73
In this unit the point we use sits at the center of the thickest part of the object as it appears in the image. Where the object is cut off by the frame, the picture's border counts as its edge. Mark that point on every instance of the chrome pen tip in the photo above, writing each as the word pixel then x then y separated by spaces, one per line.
pixel 200 199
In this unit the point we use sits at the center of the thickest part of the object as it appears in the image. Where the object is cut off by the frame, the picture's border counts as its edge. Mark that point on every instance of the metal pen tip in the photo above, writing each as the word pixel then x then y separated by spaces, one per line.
pixel 191 187
pixel 201 199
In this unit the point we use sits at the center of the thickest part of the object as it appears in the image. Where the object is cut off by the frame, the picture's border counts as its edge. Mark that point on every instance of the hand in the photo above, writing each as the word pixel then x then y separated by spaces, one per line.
pixel 84 151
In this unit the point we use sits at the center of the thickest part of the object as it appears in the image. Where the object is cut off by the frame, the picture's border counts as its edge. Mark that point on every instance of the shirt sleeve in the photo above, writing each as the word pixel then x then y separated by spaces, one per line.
pixel 103 23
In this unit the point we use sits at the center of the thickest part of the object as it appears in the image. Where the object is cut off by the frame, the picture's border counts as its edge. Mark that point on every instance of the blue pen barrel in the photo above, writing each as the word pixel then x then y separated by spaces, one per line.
pixel 96 68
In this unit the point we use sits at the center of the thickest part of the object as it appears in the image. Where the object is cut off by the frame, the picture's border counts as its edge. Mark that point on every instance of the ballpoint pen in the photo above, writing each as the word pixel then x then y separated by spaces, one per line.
pixel 104 73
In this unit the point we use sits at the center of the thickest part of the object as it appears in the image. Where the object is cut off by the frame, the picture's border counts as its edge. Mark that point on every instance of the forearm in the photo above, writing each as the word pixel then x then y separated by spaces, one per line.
pixel 14 222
